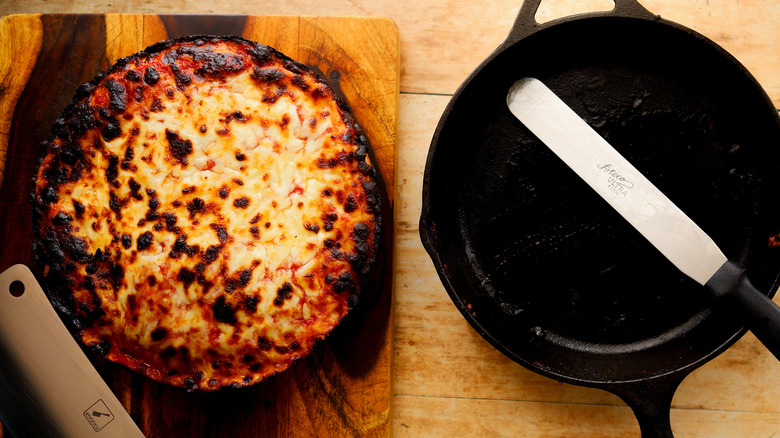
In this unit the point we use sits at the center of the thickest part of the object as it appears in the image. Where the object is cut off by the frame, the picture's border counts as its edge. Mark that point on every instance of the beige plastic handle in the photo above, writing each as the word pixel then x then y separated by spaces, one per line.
pixel 48 387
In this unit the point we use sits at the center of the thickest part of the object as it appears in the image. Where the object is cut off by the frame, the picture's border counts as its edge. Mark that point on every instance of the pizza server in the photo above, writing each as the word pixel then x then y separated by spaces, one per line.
pixel 48 387
pixel 645 207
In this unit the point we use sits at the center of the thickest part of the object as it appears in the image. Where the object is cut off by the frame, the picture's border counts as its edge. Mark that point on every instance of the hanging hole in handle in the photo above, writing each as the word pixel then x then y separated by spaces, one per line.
pixel 553 9
pixel 530 20
pixel 16 288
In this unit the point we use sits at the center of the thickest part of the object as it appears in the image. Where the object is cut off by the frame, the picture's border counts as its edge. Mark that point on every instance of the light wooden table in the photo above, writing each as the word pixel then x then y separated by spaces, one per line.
pixel 448 382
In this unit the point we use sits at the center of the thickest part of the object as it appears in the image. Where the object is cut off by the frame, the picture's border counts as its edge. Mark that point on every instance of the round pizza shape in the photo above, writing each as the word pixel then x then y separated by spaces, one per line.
pixel 208 210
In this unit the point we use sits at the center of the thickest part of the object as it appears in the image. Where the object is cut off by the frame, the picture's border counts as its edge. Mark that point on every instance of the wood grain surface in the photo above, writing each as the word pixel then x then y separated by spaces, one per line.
pixel 447 381
pixel 343 388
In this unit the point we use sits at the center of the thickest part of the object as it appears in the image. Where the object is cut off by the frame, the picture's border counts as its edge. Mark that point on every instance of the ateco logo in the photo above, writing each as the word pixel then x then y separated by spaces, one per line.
pixel 617 183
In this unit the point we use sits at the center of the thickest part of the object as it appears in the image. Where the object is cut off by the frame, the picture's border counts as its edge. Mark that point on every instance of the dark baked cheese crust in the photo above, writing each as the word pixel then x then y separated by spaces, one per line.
pixel 209 210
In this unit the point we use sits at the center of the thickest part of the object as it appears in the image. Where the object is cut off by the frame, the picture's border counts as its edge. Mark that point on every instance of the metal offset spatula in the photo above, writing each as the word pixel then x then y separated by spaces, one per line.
pixel 644 206
pixel 48 387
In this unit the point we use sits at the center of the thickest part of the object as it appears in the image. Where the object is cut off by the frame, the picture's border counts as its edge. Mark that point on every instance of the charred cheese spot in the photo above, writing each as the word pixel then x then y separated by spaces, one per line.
pixel 133 76
pixel 195 206
pixel 157 105
pixel 186 276
pixel 284 292
pixel 117 95
pixel 178 147
pixel 180 247
pixel 61 218
pixel 151 76
pixel 242 202
pixel 79 208
pixel 211 210
pixel 144 241
pixel 237 116
pixel 223 312
pixel 159 334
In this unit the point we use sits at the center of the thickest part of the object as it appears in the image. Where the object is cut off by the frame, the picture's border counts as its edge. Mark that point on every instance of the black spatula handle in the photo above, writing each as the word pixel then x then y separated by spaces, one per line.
pixel 758 313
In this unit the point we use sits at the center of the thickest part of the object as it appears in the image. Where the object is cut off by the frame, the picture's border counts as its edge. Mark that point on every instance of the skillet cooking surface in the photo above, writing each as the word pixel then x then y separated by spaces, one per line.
pixel 551 264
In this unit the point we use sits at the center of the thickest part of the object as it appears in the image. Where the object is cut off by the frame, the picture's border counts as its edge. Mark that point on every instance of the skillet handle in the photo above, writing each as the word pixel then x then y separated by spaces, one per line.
pixel 651 401
pixel 757 311
pixel 526 24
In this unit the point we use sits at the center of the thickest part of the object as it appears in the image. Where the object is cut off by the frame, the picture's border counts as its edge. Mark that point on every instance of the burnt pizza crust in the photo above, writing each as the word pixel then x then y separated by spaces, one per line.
pixel 93 251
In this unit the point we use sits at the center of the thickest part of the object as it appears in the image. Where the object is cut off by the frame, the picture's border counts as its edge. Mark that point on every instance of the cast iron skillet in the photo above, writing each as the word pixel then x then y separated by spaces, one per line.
pixel 542 267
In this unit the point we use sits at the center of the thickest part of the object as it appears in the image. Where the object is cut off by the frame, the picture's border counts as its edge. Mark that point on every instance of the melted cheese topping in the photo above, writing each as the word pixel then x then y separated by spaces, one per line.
pixel 215 221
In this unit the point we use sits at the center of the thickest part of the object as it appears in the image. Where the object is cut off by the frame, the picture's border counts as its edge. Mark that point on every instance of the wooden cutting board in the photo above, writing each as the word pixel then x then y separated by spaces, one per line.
pixel 343 388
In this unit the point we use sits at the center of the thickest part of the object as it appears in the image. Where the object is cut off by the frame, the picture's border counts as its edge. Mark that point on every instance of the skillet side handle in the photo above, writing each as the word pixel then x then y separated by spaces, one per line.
pixel 757 311
pixel 651 401
pixel 526 24
pixel 632 8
